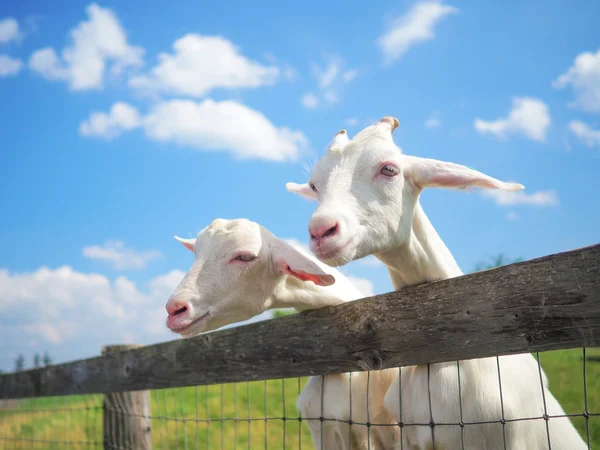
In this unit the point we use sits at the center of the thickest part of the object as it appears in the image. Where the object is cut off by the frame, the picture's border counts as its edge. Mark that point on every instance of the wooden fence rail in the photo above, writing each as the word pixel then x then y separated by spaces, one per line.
pixel 544 304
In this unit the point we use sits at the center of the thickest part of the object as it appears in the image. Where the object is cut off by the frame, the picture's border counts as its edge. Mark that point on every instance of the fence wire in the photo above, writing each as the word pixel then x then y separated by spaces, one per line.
pixel 263 414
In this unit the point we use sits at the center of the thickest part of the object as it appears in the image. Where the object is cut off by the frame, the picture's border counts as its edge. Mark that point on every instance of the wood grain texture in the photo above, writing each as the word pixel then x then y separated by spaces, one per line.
pixel 126 418
pixel 543 304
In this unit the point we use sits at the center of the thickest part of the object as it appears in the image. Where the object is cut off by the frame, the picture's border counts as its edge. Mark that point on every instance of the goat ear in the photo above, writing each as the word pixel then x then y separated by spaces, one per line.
pixel 289 261
pixel 424 172
pixel 303 190
pixel 189 243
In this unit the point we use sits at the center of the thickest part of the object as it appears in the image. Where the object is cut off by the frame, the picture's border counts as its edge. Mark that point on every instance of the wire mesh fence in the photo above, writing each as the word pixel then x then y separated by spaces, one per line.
pixel 263 414
pixel 52 422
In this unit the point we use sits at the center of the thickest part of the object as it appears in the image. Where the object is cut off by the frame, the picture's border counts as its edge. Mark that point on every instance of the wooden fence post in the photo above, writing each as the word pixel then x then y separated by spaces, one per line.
pixel 127 422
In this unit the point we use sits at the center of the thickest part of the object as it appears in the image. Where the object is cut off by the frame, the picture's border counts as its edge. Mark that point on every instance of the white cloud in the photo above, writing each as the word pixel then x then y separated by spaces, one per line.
pixel 9 66
pixel 63 305
pixel 225 125
pixel 47 62
pixel 327 75
pixel 511 215
pixel 538 198
pixel 46 292
pixel 330 96
pixel 9 30
pixel 208 125
pixel 330 81
pixel 333 74
pixel 528 117
pixel 433 121
pixel 119 256
pixel 352 121
pixel 126 290
pixel 52 332
pixel 309 101
pixel 584 78
pixel 122 117
pixel 585 133
pixel 166 283
pixel 290 73
pixel 350 75
pixel 95 43
pixel 201 64
pixel 417 25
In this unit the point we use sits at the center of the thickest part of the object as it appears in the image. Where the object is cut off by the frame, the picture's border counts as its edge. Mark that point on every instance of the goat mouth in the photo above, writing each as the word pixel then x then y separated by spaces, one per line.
pixel 184 329
pixel 335 254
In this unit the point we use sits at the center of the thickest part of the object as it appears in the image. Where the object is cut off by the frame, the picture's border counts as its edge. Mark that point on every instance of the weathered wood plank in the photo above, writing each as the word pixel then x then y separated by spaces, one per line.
pixel 544 304
pixel 126 418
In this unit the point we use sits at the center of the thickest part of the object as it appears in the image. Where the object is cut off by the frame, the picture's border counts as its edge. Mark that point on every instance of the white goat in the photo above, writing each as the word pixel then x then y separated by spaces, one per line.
pixel 242 269
pixel 368 194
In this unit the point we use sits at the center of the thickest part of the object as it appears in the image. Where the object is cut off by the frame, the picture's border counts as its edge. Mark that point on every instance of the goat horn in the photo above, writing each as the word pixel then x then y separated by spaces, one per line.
pixel 392 121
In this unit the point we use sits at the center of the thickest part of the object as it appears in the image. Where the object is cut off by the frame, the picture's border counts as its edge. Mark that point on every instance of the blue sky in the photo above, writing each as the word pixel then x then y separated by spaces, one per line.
pixel 126 123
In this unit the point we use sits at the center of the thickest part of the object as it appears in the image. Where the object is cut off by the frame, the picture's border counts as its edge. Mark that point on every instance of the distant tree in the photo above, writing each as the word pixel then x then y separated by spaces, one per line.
pixel 282 312
pixel 37 359
pixel 20 363
pixel 496 261
pixel 47 360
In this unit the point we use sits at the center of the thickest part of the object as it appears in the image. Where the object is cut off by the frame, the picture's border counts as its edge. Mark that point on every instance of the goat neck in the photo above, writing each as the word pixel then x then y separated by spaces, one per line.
pixel 423 258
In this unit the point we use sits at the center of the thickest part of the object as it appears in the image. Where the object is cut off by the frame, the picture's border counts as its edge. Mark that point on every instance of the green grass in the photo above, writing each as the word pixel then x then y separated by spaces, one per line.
pixel 565 376
pixel 191 417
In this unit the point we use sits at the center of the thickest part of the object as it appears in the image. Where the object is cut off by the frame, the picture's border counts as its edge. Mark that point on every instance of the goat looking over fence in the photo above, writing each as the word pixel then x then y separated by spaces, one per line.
pixel 241 270
pixel 368 194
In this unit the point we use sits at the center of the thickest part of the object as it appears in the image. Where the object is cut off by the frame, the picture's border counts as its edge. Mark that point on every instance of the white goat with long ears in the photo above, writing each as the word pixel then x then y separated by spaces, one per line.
pixel 241 269
pixel 368 194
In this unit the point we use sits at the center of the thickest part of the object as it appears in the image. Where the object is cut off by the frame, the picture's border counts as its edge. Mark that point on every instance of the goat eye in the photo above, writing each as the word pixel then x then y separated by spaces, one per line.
pixel 389 170
pixel 313 187
pixel 245 257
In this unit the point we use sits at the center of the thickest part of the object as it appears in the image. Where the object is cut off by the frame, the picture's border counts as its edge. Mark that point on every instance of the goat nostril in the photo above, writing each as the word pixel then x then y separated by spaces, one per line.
pixel 331 231
pixel 180 310
pixel 323 230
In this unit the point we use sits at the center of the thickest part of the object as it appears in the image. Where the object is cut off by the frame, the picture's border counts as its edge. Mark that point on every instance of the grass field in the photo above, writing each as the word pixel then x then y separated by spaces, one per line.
pixel 192 417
